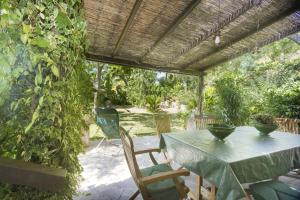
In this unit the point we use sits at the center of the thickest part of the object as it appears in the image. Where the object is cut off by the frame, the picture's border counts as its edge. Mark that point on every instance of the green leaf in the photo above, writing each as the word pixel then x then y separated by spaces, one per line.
pixel 28 127
pixel 55 70
pixel 41 100
pixel 40 42
pixel 26 28
pixel 62 20
pixel 38 79
pixel 35 115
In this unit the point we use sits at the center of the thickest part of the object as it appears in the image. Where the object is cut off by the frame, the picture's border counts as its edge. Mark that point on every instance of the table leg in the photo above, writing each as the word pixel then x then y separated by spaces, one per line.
pixel 199 183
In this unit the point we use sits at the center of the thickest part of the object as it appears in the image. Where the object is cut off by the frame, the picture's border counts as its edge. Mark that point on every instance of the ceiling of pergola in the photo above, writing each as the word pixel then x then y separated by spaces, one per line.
pixel 178 35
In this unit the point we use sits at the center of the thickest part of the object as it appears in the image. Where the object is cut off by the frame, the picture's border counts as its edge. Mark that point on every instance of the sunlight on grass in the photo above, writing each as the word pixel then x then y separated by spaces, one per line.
pixel 139 123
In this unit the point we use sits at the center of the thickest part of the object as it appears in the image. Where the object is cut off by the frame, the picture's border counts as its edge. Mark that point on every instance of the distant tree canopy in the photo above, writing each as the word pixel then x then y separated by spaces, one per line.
pixel 128 86
pixel 266 80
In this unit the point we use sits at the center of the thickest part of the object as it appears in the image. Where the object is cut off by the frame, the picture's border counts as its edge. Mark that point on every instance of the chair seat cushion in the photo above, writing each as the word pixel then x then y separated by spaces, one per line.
pixel 164 189
pixel 274 190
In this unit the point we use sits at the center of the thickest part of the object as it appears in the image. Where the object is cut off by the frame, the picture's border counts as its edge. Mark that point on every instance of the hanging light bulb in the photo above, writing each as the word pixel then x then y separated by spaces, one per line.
pixel 218 35
pixel 217 39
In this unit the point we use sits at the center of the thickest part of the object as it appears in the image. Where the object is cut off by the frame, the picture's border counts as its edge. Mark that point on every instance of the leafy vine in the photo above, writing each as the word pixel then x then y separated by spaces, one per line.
pixel 45 88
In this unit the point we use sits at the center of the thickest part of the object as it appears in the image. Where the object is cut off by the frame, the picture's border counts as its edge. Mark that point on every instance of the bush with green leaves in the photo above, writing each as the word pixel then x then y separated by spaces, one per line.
pixel 229 98
pixel 47 89
pixel 153 103
pixel 283 97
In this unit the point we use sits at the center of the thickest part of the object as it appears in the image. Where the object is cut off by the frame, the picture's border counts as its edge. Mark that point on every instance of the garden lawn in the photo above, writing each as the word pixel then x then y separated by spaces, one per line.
pixel 140 122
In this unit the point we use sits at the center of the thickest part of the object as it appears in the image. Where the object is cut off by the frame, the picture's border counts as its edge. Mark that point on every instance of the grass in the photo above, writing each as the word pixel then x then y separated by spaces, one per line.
pixel 140 123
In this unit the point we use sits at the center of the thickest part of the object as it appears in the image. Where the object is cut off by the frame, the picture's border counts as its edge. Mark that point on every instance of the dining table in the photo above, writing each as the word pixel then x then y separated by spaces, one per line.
pixel 245 156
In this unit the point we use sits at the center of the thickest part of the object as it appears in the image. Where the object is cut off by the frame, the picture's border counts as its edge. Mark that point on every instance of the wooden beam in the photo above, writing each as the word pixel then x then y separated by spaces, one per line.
pixel 34 175
pixel 200 93
pixel 230 18
pixel 127 25
pixel 279 17
pixel 172 27
pixel 274 38
pixel 129 63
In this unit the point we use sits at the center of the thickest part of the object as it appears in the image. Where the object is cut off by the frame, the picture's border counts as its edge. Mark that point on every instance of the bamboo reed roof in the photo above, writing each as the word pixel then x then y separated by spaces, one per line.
pixel 178 35
pixel 295 38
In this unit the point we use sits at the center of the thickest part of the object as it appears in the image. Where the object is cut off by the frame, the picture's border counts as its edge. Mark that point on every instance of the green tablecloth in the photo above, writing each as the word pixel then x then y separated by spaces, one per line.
pixel 243 157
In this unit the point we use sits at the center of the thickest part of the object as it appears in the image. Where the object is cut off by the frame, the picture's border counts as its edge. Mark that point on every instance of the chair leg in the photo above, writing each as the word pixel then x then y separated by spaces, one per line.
pixel 199 183
pixel 212 194
pixel 248 194
pixel 134 195
pixel 100 143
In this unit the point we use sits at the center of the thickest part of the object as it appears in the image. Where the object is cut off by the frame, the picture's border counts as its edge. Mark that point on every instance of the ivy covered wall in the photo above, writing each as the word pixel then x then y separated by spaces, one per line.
pixel 44 88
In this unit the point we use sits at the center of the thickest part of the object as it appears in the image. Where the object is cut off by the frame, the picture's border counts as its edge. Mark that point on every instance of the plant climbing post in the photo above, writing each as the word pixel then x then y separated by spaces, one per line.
pixel 200 92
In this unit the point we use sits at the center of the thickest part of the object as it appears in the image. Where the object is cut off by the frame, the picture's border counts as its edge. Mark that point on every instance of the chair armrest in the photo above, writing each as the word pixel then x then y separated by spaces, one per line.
pixel 165 175
pixel 147 151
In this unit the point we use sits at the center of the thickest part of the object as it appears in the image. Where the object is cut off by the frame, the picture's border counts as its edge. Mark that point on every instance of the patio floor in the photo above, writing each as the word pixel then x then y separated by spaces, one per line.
pixel 106 176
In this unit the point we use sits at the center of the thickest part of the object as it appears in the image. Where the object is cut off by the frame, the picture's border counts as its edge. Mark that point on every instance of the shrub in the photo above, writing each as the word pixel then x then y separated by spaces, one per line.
pixel 153 103
pixel 230 107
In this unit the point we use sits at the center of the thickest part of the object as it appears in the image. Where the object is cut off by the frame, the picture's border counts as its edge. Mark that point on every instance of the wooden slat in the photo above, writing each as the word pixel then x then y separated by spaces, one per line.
pixel 274 38
pixel 173 26
pixel 164 175
pixel 127 25
pixel 288 125
pixel 244 36
pixel 30 174
pixel 232 17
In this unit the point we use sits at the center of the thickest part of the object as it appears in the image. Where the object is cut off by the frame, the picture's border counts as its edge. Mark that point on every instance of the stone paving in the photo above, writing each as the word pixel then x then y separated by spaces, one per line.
pixel 106 176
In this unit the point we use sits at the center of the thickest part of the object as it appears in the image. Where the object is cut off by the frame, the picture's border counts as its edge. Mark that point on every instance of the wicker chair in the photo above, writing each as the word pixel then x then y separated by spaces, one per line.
pixel 202 122
pixel 162 123
pixel 288 125
pixel 199 122
pixel 157 182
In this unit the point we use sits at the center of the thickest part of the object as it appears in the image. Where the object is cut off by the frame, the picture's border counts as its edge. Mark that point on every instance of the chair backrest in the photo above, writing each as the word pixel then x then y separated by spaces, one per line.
pixel 108 120
pixel 131 160
pixel 162 123
pixel 288 125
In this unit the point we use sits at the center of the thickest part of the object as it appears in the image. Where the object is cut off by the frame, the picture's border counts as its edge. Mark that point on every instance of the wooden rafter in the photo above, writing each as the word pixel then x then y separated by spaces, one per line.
pixel 129 21
pixel 122 62
pixel 172 27
pixel 274 38
pixel 230 18
pixel 244 36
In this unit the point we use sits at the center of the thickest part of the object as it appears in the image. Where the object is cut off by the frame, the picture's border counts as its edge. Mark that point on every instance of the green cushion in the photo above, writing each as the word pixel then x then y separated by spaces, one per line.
pixel 161 190
pixel 274 190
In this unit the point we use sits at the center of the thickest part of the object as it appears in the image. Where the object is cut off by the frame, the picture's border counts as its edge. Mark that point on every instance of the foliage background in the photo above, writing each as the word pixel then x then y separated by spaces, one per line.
pixel 263 81
pixel 267 79
pixel 45 89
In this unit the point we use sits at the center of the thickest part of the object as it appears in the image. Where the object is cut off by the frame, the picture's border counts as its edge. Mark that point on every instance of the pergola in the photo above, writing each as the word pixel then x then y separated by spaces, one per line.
pixel 179 36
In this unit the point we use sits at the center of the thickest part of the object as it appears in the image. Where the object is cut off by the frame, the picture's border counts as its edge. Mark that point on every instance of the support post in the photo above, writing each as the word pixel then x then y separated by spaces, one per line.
pixel 98 95
pixel 200 93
